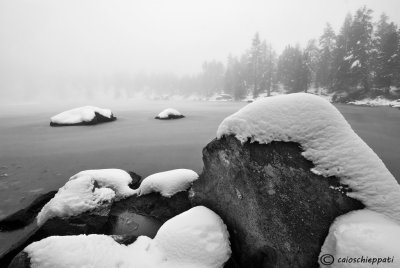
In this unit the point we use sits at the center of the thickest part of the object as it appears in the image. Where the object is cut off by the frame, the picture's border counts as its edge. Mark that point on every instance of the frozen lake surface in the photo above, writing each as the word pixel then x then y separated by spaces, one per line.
pixel 36 158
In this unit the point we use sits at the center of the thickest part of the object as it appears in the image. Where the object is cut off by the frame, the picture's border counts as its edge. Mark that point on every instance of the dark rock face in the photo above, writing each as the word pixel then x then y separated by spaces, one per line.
pixel 98 118
pixel 170 116
pixel 25 216
pixel 277 211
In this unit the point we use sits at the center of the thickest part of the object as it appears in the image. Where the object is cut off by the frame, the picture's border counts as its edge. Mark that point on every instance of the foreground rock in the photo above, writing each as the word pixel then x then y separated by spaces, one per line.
pixel 168 114
pixel 124 220
pixel 277 211
pixel 87 115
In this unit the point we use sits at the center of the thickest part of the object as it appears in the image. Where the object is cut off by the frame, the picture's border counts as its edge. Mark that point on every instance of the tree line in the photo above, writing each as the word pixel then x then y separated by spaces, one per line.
pixel 361 59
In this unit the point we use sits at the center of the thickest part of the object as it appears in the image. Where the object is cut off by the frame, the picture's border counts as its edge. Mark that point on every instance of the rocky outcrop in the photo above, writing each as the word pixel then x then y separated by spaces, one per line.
pixel 277 211
pixel 124 220
pixel 98 118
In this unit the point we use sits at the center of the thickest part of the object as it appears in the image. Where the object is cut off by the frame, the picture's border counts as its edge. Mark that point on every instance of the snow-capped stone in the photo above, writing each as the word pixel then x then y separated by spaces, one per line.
pixel 363 233
pixel 196 238
pixel 86 191
pixel 168 183
pixel 169 113
pixel 82 115
pixel 327 140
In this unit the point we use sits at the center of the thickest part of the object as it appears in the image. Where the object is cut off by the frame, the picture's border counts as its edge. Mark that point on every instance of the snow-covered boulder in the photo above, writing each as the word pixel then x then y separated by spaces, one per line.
pixel 87 191
pixel 327 140
pixel 197 238
pixel 86 115
pixel 169 113
pixel 362 238
pixel 279 173
pixel 168 183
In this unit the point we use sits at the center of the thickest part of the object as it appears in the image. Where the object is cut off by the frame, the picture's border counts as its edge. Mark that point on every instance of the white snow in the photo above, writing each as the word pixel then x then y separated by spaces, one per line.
pixel 85 191
pixel 356 63
pixel 168 183
pixel 327 140
pixel 378 101
pixel 363 233
pixel 115 179
pixel 168 112
pixel 78 115
pixel 349 57
pixel 197 238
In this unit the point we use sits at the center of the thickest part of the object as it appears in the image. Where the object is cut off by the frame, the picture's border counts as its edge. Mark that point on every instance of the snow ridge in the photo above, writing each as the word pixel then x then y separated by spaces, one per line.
pixel 327 140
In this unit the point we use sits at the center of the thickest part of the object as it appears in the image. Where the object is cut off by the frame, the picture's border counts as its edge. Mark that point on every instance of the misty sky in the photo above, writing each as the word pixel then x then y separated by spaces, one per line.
pixel 51 37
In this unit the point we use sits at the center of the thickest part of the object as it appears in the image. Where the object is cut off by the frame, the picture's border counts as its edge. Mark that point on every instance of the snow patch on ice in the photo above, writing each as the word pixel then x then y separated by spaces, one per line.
pixel 327 140
pixel 78 115
pixel 85 191
pixel 363 233
pixel 197 238
pixel 168 183
pixel 168 112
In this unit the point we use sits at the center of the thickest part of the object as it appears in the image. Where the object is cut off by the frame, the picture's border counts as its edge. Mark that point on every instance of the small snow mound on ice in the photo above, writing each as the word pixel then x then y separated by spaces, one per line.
pixel 168 183
pixel 327 140
pixel 363 233
pixel 116 179
pixel 197 238
pixel 85 191
pixel 168 112
pixel 78 115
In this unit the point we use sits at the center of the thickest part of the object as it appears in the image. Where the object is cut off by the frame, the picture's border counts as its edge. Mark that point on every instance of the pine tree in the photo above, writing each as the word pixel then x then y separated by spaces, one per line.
pixel 266 67
pixel 292 70
pixel 327 42
pixel 342 58
pixel 255 62
pixel 310 63
pixel 386 46
pixel 361 48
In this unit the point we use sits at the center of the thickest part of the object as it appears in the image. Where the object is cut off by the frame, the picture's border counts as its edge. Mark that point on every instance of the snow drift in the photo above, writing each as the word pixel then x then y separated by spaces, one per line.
pixel 197 238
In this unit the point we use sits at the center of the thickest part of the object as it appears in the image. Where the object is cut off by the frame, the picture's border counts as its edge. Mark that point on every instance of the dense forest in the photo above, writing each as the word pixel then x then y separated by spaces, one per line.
pixel 361 60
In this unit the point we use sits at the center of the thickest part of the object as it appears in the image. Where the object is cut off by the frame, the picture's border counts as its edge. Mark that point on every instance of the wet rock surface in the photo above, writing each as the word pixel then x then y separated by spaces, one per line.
pixel 277 211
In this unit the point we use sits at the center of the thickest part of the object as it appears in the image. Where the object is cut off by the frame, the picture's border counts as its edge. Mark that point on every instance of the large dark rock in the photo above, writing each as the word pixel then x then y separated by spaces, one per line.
pixel 98 118
pixel 277 211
